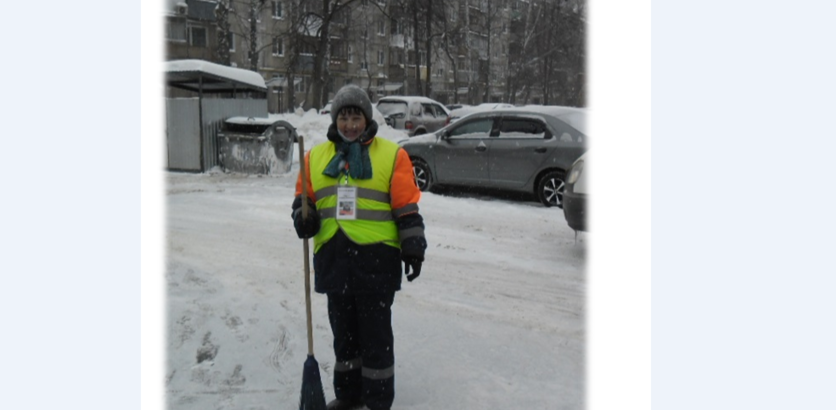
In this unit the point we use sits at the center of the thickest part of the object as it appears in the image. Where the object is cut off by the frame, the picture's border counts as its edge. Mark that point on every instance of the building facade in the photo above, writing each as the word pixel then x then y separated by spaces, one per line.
pixel 454 51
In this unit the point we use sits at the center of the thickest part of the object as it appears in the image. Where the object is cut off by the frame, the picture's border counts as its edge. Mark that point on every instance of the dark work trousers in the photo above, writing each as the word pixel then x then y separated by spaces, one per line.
pixel 364 347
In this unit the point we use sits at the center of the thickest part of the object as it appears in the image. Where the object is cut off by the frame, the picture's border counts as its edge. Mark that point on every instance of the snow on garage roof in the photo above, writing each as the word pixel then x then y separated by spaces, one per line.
pixel 216 78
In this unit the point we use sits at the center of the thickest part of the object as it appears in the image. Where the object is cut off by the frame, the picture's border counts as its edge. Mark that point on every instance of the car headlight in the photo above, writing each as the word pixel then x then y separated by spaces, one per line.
pixel 575 172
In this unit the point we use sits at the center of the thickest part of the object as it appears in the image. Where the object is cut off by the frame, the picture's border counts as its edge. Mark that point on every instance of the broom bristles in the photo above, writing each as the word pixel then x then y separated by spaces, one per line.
pixel 313 396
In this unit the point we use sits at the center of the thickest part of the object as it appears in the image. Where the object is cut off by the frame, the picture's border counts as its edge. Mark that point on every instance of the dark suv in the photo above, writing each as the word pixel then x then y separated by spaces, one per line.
pixel 414 115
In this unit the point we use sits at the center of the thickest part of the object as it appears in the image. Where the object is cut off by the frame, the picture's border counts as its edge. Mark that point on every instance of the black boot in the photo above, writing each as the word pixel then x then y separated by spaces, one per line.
pixel 338 404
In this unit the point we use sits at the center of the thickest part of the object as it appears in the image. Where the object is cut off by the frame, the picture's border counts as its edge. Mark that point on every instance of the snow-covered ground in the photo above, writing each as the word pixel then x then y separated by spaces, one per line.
pixel 495 321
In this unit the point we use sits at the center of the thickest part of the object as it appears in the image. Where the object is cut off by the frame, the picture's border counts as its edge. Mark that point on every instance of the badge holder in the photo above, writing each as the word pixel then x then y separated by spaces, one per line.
pixel 346 202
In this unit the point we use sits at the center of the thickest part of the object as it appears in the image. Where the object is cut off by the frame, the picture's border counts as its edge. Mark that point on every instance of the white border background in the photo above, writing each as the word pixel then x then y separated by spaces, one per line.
pixel 70 208
pixel 742 211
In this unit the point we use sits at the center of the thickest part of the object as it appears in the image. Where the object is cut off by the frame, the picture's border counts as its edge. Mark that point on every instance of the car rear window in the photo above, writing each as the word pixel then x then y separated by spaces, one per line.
pixel 565 133
pixel 429 110
pixel 391 107
pixel 521 128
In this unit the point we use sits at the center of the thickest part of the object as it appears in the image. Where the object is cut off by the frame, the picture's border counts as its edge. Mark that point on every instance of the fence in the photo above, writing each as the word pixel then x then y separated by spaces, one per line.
pixel 185 118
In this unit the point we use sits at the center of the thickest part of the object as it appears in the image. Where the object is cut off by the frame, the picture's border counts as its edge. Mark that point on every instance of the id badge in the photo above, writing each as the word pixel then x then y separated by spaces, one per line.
pixel 346 202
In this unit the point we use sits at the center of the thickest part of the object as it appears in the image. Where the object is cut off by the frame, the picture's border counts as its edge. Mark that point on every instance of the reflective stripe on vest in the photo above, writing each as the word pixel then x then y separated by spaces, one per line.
pixel 375 221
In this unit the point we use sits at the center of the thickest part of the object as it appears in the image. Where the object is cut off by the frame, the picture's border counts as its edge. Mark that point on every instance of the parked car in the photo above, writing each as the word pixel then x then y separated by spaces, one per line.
pixel 451 107
pixel 458 113
pixel 515 149
pixel 326 109
pixel 575 195
pixel 256 145
pixel 415 115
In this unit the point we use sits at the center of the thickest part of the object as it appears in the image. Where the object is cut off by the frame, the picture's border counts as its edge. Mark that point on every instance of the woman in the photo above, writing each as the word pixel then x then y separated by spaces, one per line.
pixel 365 224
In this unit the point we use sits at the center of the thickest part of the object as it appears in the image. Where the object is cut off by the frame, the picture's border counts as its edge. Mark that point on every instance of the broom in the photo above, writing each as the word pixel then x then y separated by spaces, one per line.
pixel 313 397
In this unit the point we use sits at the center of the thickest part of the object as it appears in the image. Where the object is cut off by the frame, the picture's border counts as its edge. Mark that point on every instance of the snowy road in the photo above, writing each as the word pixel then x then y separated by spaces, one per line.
pixel 495 321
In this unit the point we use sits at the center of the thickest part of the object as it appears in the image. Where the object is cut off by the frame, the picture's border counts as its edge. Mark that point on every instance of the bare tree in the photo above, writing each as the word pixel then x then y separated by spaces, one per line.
pixel 294 37
pixel 559 60
pixel 450 42
pixel 222 18
pixel 492 25
pixel 520 71
pixel 242 20
pixel 434 28
pixel 325 16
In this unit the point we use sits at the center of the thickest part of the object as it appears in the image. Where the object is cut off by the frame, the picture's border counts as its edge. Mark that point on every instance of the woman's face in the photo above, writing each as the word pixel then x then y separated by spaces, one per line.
pixel 351 125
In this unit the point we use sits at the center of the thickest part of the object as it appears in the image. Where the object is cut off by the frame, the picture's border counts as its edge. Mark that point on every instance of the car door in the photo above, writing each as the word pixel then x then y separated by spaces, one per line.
pixel 461 154
pixel 523 143
pixel 439 117
pixel 428 119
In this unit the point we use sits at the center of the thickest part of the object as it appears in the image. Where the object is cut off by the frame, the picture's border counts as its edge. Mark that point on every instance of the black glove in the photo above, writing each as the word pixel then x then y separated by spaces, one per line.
pixel 306 227
pixel 412 254
pixel 415 263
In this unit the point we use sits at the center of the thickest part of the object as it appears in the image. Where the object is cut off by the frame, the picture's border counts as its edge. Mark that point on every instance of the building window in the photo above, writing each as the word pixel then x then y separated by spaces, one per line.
pixel 299 84
pixel 230 38
pixel 176 30
pixel 380 59
pixel 422 57
pixel 381 28
pixel 307 49
pixel 350 54
pixel 277 10
pixel 197 36
pixel 339 51
pixel 364 65
pixel 453 15
pixel 396 26
pixel 278 47
pixel 342 17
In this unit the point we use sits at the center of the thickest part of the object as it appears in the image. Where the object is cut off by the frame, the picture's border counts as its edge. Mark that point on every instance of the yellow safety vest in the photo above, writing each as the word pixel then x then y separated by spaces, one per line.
pixel 374 223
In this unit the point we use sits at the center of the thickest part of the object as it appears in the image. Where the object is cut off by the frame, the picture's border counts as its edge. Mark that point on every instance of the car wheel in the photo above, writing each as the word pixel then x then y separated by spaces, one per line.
pixel 423 178
pixel 550 189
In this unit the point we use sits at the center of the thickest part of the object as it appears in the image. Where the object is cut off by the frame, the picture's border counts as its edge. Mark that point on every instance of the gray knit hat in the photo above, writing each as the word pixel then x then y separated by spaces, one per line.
pixel 351 96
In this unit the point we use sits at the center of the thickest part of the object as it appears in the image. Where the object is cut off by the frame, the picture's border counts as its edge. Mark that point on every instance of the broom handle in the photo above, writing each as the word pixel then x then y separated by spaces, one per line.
pixel 305 244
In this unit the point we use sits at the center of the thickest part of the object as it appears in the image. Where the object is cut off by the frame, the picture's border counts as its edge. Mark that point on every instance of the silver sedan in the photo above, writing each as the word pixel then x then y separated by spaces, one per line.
pixel 526 149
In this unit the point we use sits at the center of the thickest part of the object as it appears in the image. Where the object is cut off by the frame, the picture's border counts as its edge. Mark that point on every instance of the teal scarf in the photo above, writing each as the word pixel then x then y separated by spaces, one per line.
pixel 357 158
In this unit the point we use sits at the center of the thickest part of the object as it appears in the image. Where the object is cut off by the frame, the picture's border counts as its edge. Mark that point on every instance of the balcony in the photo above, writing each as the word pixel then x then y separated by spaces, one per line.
pixel 399 40
pixel 338 65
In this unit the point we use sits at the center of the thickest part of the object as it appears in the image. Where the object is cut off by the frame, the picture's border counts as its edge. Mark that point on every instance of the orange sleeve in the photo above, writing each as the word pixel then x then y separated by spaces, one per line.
pixel 311 193
pixel 403 190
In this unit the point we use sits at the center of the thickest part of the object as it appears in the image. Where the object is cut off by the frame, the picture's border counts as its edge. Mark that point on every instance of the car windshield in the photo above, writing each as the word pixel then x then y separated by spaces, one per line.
pixel 391 107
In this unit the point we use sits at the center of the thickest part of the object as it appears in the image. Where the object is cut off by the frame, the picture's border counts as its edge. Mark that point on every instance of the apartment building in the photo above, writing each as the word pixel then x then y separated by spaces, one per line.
pixel 467 51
